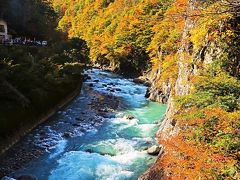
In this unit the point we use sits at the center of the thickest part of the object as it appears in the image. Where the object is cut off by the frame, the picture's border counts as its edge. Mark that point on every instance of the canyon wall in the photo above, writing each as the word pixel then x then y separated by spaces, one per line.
pixel 189 62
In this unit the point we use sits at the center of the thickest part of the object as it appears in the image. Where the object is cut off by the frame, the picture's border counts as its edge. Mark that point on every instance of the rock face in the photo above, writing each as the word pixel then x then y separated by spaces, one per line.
pixel 155 92
pixel 164 92
pixel 168 127
pixel 142 80
pixel 152 174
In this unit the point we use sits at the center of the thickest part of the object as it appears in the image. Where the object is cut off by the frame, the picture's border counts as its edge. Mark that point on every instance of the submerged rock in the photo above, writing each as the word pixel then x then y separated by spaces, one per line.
pixel 26 177
pixel 103 110
pixel 89 150
pixel 42 132
pixel 108 89
pixel 7 178
pixel 86 77
pixel 107 154
pixel 76 125
pixel 78 119
pixel 154 150
pixel 89 77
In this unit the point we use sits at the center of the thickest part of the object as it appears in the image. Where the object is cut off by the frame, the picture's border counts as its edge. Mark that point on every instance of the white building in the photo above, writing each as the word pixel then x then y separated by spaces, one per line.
pixel 3 31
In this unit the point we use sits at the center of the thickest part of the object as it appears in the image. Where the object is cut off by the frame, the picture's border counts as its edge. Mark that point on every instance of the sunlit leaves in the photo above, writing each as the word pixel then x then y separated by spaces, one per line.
pixel 112 28
pixel 129 33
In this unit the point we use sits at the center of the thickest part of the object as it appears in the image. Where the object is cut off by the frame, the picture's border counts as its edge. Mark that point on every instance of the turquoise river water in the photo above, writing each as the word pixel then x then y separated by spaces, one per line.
pixel 114 150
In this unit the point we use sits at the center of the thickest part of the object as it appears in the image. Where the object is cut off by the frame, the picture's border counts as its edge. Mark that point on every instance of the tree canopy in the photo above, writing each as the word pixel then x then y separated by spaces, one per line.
pixel 144 34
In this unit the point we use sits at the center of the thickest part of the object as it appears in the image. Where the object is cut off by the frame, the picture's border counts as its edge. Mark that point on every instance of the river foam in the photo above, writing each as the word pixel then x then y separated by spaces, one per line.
pixel 114 149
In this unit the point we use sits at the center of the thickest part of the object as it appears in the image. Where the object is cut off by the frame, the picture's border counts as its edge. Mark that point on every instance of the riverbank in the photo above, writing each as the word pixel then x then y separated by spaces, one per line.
pixel 15 152
pixel 8 142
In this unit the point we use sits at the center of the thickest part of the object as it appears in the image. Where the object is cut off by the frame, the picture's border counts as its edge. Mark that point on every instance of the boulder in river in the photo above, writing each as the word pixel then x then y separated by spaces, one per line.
pixel 154 150
pixel 67 135
pixel 130 117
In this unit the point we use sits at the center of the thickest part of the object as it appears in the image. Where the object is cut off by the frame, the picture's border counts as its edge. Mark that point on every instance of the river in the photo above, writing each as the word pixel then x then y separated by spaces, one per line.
pixel 113 147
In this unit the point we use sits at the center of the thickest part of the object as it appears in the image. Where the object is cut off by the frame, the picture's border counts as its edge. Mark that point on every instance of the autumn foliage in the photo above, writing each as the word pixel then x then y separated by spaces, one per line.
pixel 149 34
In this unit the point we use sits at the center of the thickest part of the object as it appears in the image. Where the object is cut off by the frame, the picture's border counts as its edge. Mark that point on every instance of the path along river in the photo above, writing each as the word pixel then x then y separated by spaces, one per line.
pixel 113 146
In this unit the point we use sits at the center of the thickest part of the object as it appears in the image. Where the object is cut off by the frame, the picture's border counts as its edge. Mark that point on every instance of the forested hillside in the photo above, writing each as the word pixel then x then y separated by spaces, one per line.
pixel 192 51
pixel 118 33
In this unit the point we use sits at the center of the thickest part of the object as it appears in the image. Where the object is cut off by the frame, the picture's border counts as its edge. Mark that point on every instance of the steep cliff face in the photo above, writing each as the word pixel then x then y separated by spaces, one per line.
pixel 186 68
pixel 189 62
pixel 204 56
pixel 155 93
